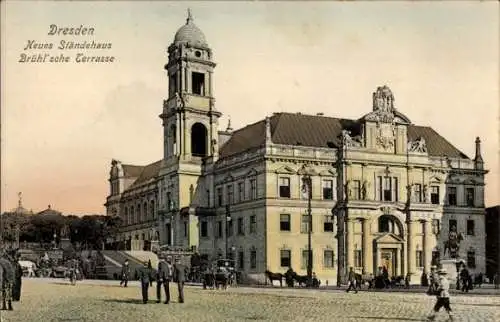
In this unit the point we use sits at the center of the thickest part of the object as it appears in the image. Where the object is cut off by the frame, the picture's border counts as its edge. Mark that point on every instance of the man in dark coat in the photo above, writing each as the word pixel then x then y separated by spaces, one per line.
pixel 16 291
pixel 352 281
pixel 163 278
pixel 125 274
pixel 146 279
pixel 180 277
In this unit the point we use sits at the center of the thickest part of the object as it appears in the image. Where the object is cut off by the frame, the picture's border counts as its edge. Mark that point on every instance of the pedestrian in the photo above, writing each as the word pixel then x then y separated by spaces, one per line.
pixel 163 278
pixel 16 291
pixel 146 280
pixel 180 277
pixel 443 296
pixel 352 281
pixel 125 274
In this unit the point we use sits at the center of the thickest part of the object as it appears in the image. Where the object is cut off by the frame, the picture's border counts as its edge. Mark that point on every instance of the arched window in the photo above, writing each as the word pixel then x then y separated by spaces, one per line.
pixel 152 209
pixel 125 219
pixel 386 224
pixel 137 214
pixel 131 216
pixel 145 211
pixel 199 140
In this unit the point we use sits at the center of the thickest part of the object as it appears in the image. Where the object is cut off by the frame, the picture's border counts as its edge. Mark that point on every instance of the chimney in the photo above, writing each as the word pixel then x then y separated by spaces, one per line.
pixel 478 159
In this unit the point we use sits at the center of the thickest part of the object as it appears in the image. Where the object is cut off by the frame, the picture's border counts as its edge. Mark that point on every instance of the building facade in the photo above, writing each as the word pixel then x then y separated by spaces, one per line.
pixel 492 241
pixel 385 191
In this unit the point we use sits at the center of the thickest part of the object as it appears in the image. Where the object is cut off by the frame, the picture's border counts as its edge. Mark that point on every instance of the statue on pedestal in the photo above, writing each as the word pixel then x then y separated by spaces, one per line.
pixel 453 242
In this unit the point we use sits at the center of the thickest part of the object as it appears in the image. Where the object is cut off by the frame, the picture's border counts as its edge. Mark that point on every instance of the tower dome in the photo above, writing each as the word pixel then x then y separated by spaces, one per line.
pixel 190 33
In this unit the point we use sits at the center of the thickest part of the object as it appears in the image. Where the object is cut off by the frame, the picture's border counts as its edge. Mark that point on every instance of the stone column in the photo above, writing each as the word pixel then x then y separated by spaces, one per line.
pixel 427 247
pixel 350 243
pixel 410 247
pixel 399 270
pixel 367 247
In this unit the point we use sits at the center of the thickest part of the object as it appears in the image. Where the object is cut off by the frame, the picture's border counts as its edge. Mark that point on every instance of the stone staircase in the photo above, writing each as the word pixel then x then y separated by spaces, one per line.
pixel 143 256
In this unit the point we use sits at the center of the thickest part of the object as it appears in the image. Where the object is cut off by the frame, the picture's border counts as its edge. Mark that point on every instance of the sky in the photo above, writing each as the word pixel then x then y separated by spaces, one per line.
pixel 62 123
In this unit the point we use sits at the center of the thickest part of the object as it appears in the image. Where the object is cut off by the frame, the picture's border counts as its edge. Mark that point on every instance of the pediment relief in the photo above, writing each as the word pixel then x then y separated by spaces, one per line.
pixel 307 170
pixel 251 173
pixel 469 181
pixel 228 178
pixel 285 170
pixel 436 179
pixel 389 238
pixel 328 173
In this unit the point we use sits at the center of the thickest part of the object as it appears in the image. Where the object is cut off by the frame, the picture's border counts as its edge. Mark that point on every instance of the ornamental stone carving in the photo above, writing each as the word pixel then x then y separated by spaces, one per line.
pixel 364 189
pixel 418 145
pixel 385 136
pixel 349 141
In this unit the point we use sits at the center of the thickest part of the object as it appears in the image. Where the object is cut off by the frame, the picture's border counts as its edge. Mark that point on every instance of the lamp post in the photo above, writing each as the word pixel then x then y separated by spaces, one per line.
pixel 228 219
pixel 307 189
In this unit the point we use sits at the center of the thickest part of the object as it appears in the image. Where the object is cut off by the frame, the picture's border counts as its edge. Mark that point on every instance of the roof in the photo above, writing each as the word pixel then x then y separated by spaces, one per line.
pixel 322 132
pixel 132 171
pixel 49 211
pixel 147 173
pixel 190 33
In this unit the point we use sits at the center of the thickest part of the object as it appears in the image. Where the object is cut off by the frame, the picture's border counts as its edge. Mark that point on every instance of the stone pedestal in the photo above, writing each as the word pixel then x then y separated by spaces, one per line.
pixel 450 265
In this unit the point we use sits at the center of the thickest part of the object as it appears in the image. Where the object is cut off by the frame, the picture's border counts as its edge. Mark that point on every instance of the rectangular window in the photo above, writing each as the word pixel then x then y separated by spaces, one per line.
pixel 387 189
pixel 219 229
pixel 471 259
pixel 241 228
pixel 395 189
pixel 253 259
pixel 185 229
pixel 470 227
pixel 219 196
pixel 378 188
pixel 452 196
pixel 230 228
pixel 304 224
pixel 253 189
pixel 172 85
pixel 328 261
pixel 230 199
pixel 284 187
pixel 435 195
pixel 284 222
pixel 452 223
pixel 253 224
pixel 241 260
pixel 285 258
pixel 356 190
pixel 469 197
pixel 328 224
pixel 417 192
pixel 198 83
pixel 241 191
pixel 328 189
pixel 305 258
pixel 420 258
pixel 169 201
pixel 358 258
pixel 204 229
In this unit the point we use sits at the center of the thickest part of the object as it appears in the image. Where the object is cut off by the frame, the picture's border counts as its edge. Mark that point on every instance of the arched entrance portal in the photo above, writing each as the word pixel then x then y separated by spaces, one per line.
pixel 389 245
pixel 198 140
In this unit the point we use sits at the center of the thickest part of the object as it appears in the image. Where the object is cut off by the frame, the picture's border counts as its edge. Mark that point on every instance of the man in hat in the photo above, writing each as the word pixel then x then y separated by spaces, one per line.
pixel 180 277
pixel 125 274
pixel 163 278
pixel 146 279
pixel 443 296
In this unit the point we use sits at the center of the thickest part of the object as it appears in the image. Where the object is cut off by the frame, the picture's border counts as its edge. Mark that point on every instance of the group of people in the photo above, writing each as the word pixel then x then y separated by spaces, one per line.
pixel 165 274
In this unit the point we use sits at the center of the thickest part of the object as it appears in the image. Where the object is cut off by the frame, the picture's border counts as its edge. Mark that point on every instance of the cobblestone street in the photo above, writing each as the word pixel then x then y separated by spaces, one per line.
pixel 57 300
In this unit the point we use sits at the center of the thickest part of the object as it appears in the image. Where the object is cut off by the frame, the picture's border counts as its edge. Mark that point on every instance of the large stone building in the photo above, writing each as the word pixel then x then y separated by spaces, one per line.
pixel 492 241
pixel 384 191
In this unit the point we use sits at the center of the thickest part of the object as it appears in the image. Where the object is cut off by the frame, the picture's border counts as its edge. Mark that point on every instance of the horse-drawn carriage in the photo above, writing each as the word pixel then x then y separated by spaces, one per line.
pixel 220 273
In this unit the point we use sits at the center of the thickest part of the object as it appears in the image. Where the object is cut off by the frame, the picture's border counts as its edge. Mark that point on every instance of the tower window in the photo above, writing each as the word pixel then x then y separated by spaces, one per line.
pixel 199 140
pixel 197 53
pixel 198 83
pixel 172 85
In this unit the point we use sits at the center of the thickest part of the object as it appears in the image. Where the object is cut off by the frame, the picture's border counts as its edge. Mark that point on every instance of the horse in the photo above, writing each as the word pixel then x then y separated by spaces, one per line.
pixel 301 279
pixel 7 279
pixel 274 277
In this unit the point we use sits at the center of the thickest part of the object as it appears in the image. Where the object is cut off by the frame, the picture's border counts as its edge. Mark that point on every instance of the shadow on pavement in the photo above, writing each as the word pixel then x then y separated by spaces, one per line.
pixel 127 301
pixel 383 318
